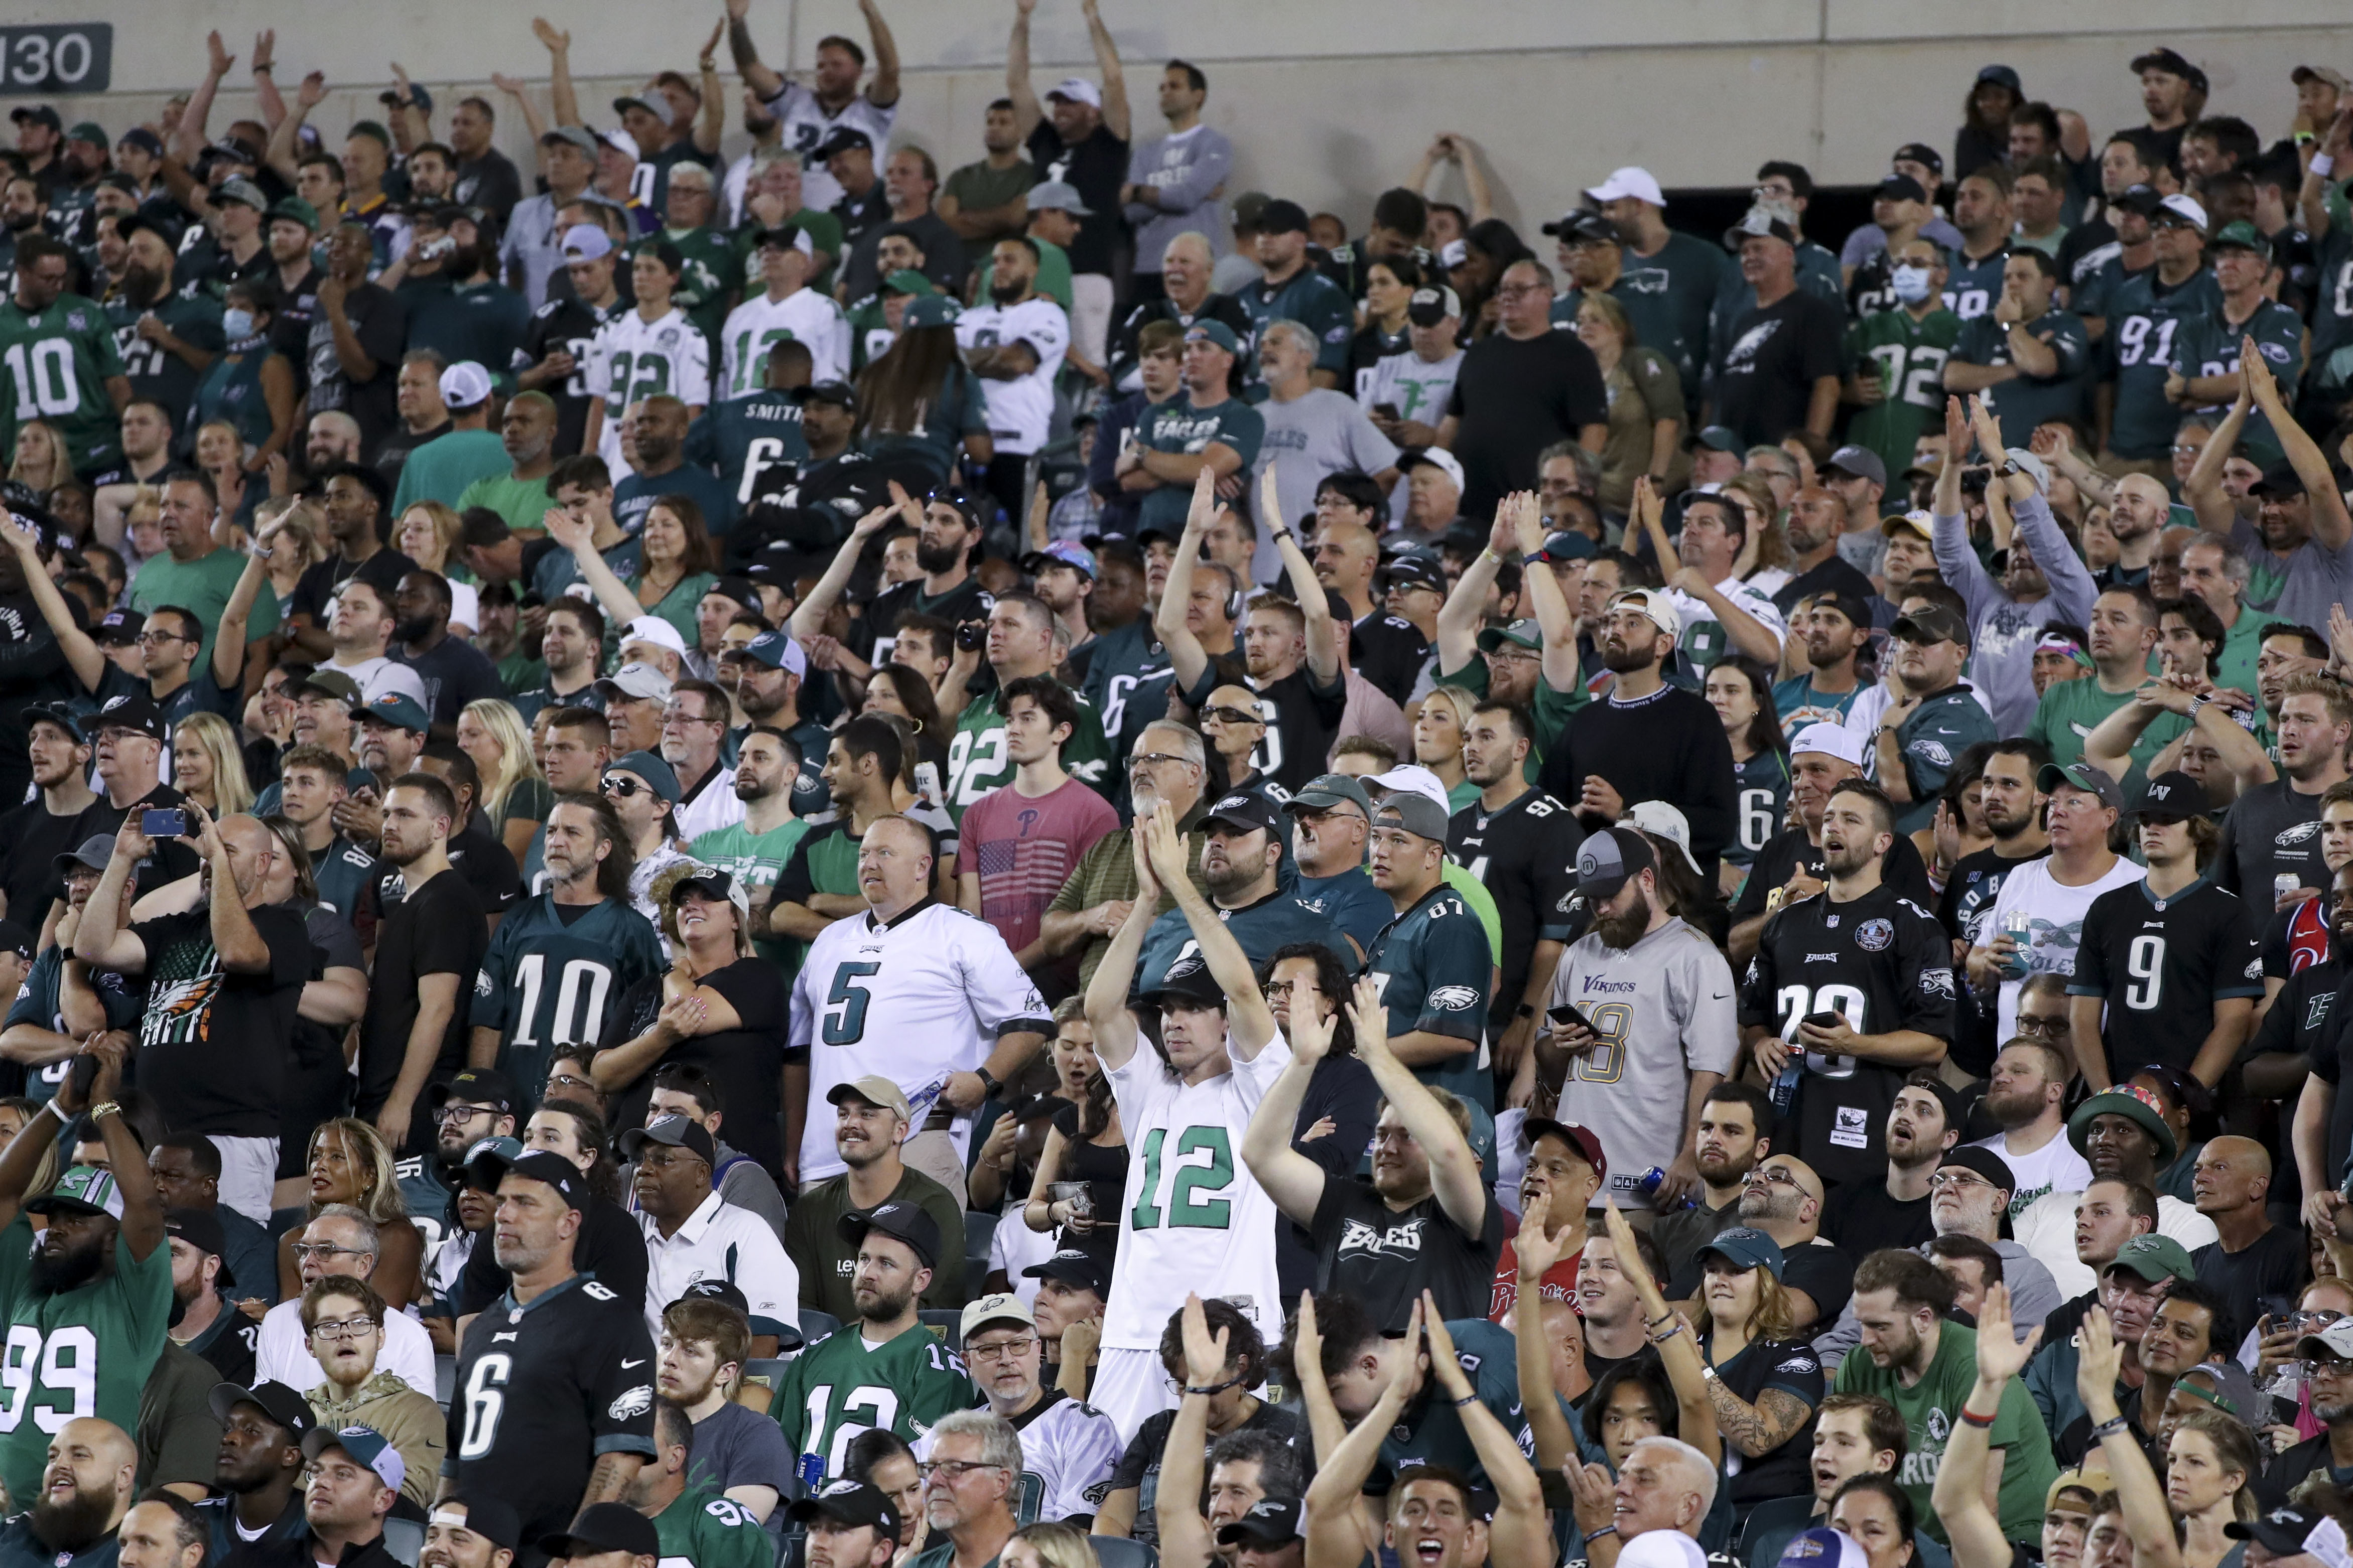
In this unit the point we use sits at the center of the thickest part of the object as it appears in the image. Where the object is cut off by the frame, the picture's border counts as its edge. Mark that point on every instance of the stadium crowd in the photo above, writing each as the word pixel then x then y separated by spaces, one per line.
pixel 1675 901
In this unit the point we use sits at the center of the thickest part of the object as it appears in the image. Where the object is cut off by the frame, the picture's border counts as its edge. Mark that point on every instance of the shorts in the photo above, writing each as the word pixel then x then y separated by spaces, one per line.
pixel 248 1173
pixel 1129 1386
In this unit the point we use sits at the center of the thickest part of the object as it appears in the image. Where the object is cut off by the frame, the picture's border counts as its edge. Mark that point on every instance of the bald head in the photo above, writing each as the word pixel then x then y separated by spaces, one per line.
pixel 2232 1176
pixel 2140 508
pixel 100 1462
pixel 252 848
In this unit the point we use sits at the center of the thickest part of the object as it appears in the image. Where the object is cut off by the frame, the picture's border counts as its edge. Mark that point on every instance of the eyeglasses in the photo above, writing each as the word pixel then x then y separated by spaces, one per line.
pixel 1956 1179
pixel 1778 1175
pixel 571 1080
pixel 451 1115
pixel 321 1251
pixel 1154 760
pixel 157 639
pixel 1001 1349
pixel 2027 1024
pixel 954 1469
pixel 349 1329
pixel 1224 715
pixel 1520 291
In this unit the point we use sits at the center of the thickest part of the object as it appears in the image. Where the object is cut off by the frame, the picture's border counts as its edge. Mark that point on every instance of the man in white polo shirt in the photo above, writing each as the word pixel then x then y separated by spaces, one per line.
pixel 691 1234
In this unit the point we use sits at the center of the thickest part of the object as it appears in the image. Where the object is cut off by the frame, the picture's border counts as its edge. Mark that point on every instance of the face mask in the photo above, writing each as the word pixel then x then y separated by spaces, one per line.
pixel 1911 283
pixel 236 323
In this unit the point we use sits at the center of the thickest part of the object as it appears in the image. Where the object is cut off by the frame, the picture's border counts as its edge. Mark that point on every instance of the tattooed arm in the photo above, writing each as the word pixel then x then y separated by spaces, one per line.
pixel 1757 1429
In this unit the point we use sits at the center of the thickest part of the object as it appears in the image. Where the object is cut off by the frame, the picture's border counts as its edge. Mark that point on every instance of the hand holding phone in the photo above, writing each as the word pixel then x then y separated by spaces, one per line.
pixel 163 822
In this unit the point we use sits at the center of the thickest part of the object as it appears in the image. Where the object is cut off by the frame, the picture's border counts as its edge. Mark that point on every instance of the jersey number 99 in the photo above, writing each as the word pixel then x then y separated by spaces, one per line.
pixel 36 1373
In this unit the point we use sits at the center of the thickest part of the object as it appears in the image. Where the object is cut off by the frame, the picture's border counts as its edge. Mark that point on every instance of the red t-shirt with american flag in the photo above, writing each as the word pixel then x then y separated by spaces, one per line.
pixel 1025 847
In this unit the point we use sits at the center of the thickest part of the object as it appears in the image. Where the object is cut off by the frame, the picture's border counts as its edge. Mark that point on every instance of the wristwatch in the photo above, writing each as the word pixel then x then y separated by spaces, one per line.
pixel 1527 1010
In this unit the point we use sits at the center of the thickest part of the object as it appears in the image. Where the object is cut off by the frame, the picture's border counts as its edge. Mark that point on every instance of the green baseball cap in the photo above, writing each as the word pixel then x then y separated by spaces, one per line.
pixel 2154 1257
pixel 1522 633
pixel 83 1189
pixel 907 280
pixel 1325 791
pixel 2240 236
pixel 294 209
pixel 2129 1101
pixel 89 131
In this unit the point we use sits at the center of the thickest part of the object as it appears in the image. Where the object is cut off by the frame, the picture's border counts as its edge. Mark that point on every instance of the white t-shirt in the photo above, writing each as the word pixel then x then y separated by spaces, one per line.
pixel 1013 1247
pixel 922 998
pixel 759 323
pixel 2047 1229
pixel 1193 1219
pixel 2054 1168
pixel 806 125
pixel 1021 409
pixel 2057 912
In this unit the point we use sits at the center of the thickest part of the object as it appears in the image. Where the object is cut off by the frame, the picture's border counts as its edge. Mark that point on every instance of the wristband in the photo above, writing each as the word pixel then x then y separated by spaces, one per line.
pixel 1466 1399
pixel 988 1084
pixel 2109 1428
pixel 1972 1418
pixel 2322 164
pixel 1605 1529
pixel 104 1108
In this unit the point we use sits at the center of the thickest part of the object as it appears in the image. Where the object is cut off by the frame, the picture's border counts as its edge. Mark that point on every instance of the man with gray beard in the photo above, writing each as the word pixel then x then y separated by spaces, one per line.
pixel 1167 763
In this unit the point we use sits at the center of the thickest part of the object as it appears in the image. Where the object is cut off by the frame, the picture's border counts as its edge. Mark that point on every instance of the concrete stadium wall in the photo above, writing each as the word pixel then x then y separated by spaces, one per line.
pixel 1327 101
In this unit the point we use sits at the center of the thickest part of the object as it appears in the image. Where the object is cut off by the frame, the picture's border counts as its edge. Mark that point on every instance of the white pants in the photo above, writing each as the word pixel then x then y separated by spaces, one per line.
pixel 1090 302
pixel 249 1174
pixel 1129 1386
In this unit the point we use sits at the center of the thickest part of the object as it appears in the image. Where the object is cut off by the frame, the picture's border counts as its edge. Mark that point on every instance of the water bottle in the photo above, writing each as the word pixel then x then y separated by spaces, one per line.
pixel 812 1471
pixel 1647 1183
pixel 2283 884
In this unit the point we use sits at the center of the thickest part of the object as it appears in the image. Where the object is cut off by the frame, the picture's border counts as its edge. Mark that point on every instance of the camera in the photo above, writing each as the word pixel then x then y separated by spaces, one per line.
pixel 971 636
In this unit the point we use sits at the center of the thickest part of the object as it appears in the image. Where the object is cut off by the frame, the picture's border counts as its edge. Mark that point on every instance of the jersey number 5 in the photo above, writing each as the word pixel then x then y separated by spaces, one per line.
pixel 846 1027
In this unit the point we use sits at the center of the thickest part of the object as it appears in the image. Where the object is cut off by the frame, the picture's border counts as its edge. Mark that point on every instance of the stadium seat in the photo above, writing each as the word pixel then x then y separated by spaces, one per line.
pixel 445 1379
pixel 768 1371
pixel 979 1231
pixel 816 1325
pixel 1119 1552
pixel 403 1538
pixel 286 1219
pixel 949 1322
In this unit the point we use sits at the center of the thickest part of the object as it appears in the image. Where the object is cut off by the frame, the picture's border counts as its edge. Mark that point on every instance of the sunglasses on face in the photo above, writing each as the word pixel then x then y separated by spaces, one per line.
pixel 1230 716
pixel 620 785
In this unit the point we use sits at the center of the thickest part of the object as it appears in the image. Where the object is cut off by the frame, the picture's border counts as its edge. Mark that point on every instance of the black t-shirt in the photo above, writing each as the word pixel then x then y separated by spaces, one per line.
pixel 1669 746
pixel 31 838
pixel 1765 378
pixel 1340 1090
pixel 380 322
pixel 1097 167
pixel 566 326
pixel 1303 720
pixel 455 673
pixel 1792 1367
pixel 870 633
pixel 1862 1215
pixel 2261 839
pixel 490 182
pixel 317 587
pixel 1526 855
pixel 544 1390
pixel 2161 964
pixel 1900 868
pixel 213 1044
pixel 439 930
pixel 1388 650
pixel 1387 1257
pixel 1884 963
pixel 1139 1464
pixel 747 1063
pixel 1516 397
pixel 2262 1278
pixel 32 670
pixel 482 859
pixel 1833 576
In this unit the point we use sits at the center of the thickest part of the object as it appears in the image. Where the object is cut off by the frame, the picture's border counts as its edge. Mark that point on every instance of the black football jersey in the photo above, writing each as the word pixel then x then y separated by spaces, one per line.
pixel 1526 854
pixel 2162 963
pixel 1884 963
pixel 568 326
pixel 543 1391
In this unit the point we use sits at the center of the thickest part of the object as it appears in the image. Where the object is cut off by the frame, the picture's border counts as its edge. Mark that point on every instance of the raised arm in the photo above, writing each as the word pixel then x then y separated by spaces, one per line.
pixel 1334 1522
pixel 1185 1538
pixel 2331 525
pixel 884 90
pixel 1960 1495
pixel 1522 1530
pixel 1107 1013
pixel 2312 199
pixel 229 636
pixel 712 123
pixel 82 654
pixel 2203 488
pixel 2147 1519
pixel 142 1211
pixel 562 97
pixel 1677 1343
pixel 279 153
pixel 1115 81
pixel 188 138
pixel 808 618
pixel 1293 1181
pixel 1185 655
pixel 1322 638
pixel 1027 111
pixel 1453 1168
pixel 1537 1253
pixel 1540 592
pixel 100 940
pixel 532 118
pixel 579 536
pixel 240 945
pixel 1465 610
pixel 759 78
pixel 1249 1020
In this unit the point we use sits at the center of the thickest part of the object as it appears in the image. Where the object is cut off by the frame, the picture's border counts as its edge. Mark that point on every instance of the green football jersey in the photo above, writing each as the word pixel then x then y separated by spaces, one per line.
pixel 977 762
pixel 1908 357
pixel 2209 346
pixel 83 1351
pixel 2144 319
pixel 701 1528
pixel 54 367
pixel 191 315
pixel 755 859
pixel 838 1388
pixel 2072 710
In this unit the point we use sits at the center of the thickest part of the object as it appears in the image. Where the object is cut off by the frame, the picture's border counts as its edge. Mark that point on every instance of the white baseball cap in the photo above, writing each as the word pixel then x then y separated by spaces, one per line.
pixel 1438 457
pixel 655 630
pixel 1629 181
pixel 2185 206
pixel 465 383
pixel 1414 779
pixel 1655 606
pixel 1659 820
pixel 587 242
pixel 1831 741
pixel 1078 89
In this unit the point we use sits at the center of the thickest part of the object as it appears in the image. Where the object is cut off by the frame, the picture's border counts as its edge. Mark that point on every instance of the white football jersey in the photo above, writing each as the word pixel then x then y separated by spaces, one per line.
pixel 806 125
pixel 1069 1450
pixel 913 1002
pixel 1193 1219
pixel 759 323
pixel 1020 410
pixel 633 358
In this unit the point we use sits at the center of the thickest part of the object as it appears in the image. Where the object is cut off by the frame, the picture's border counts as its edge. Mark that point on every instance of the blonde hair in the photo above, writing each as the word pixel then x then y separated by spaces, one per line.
pixel 1612 313
pixel 1772 546
pixel 448 529
pixel 60 460
pixel 232 791
pixel 380 1197
pixel 1058 1545
pixel 517 760
pixel 1773 1322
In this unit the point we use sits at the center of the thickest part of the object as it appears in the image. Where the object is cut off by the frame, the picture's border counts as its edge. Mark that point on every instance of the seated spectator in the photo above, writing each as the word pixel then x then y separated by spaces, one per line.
pixel 257 1478
pixel 692 1233
pixel 350 1166
pixel 357 1478
pixel 345 1320
pixel 1854 1434
pixel 971 1483
pixel 850 1524
pixel 692 1521
pixel 342 1241
pixel 871 1121
pixel 1069 1446
pixel 738 1451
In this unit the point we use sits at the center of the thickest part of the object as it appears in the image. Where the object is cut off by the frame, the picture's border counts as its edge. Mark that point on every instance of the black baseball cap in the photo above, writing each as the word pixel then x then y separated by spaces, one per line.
pixel 274 1400
pixel 118 625
pixel 1270 1521
pixel 489 1166
pixel 719 1288
pixel 2279 479
pixel 1187 983
pixel 839 393
pixel 2282 1529
pixel 2174 63
pixel 674 1131
pixel 201 1228
pixel 483 1086
pixel 1247 811
pixel 1610 859
pixel 1281 217
pixel 62 714
pixel 1583 227
pixel 16 939
pixel 842 141
pixel 2143 199
pixel 1899 188
pixel 2172 797
pixel 1985 1163
pixel 1074 1267
pixel 1846 602
pixel 1930 625
pixel 606 1526
pixel 132 711
pixel 848 1502
pixel 492 1519
pixel 1920 152
pixel 907 1222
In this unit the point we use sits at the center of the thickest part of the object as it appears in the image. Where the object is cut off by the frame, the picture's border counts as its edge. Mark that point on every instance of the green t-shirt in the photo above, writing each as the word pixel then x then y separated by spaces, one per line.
pixel 447 467
pixel 84 1351
pixel 1177 426
pixel 838 1388
pixel 1931 1408
pixel 2072 710
pixel 701 1528
pixel 755 859
pixel 1053 274
pixel 977 188
pixel 202 588
pixel 53 366
pixel 522 503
